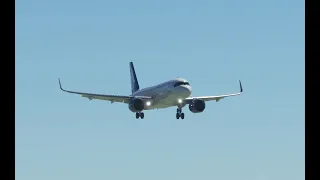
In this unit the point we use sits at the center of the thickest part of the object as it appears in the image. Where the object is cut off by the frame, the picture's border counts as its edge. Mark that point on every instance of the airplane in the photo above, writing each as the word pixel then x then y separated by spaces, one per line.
pixel 171 93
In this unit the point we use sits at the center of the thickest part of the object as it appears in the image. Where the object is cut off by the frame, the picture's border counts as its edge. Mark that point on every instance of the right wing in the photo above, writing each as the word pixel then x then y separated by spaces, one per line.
pixel 215 98
pixel 111 98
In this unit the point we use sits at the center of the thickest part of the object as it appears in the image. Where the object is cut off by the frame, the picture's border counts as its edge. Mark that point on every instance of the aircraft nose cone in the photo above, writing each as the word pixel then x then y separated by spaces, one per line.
pixel 188 89
pixel 185 90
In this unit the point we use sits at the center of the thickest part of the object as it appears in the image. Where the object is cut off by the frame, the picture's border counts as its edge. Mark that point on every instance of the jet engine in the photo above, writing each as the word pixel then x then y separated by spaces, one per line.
pixel 197 106
pixel 136 105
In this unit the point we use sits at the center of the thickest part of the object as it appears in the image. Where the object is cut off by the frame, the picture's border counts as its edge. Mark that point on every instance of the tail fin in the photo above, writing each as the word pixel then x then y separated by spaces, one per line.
pixel 134 80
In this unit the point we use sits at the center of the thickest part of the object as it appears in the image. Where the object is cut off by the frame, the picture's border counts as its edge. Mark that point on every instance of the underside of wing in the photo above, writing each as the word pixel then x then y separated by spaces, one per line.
pixel 214 98
pixel 211 98
pixel 111 98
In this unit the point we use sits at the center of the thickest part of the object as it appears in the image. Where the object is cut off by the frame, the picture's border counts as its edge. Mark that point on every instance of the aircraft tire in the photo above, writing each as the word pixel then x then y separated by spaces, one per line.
pixel 177 115
pixel 182 115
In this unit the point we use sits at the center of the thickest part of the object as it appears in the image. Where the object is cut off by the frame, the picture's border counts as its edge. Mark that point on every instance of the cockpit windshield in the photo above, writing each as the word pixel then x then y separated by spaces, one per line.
pixel 180 83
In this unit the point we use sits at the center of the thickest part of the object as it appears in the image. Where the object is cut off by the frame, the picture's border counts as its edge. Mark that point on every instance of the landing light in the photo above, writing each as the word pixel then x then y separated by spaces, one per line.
pixel 179 101
pixel 148 103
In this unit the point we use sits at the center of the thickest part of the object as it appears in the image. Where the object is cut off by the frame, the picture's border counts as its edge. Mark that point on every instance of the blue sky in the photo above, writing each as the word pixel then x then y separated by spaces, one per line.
pixel 212 44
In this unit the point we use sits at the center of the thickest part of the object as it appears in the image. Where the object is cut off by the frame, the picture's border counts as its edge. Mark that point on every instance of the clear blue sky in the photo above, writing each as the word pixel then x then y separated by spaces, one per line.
pixel 212 44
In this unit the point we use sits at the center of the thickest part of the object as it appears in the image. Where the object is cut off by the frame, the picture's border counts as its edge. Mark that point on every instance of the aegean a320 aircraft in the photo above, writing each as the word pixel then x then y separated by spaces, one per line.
pixel 175 92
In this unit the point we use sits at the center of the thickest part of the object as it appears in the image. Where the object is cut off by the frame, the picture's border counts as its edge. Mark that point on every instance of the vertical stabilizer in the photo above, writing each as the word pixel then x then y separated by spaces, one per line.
pixel 134 80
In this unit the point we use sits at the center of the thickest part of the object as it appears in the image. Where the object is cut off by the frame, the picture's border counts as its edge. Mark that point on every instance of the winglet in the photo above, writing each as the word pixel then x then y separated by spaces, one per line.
pixel 240 86
pixel 60 85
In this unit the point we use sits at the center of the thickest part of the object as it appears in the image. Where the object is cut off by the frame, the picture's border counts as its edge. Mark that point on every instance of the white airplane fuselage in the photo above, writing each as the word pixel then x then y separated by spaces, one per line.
pixel 165 94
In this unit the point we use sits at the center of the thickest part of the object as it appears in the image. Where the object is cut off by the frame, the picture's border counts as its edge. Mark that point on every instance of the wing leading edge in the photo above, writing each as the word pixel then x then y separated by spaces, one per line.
pixel 112 98
pixel 216 98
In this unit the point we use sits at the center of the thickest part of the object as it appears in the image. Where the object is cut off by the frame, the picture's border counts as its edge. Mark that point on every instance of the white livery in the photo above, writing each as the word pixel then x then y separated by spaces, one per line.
pixel 175 92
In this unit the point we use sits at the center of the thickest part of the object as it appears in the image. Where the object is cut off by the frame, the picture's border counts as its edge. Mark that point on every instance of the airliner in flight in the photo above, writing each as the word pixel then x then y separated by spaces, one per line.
pixel 171 93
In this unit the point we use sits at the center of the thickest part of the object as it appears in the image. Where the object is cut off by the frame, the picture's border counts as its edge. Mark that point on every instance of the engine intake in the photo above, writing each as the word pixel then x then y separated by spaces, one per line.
pixel 197 106
pixel 136 105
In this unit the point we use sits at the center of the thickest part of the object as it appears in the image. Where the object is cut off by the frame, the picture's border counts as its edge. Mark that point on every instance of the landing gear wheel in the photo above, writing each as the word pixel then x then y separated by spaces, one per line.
pixel 139 115
pixel 177 115
pixel 182 115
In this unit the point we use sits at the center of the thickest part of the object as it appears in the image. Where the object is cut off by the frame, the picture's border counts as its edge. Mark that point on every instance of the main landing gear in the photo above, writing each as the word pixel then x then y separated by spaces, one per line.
pixel 179 114
pixel 139 114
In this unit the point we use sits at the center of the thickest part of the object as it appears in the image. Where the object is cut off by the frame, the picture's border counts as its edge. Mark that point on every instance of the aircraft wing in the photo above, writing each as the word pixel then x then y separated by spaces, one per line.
pixel 216 98
pixel 111 98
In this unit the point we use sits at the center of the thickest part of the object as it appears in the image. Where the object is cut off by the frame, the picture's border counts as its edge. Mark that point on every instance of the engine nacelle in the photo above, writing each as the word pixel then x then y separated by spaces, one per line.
pixel 197 106
pixel 136 105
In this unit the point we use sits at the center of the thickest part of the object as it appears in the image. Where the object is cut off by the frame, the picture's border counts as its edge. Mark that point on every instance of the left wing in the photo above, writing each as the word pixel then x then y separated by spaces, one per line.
pixel 216 98
pixel 111 98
